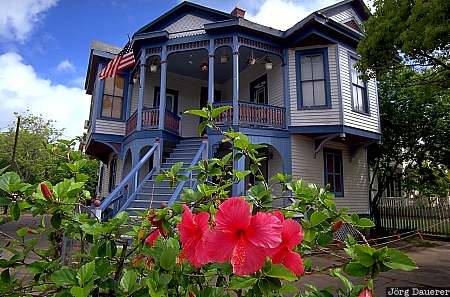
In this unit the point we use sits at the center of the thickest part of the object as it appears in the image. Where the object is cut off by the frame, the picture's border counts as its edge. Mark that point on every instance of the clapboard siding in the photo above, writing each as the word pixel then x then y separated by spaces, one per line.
pixel 329 116
pixel 134 98
pixel 310 169
pixel 343 15
pixel 249 74
pixel 110 127
pixel 187 22
pixel 354 119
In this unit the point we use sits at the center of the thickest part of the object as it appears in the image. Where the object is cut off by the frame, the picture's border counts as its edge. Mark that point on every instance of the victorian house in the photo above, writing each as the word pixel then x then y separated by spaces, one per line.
pixel 296 91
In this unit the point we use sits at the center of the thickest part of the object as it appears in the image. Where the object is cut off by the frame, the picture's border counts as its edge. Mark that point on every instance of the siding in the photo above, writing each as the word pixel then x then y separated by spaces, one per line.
pixel 110 127
pixel 249 74
pixel 344 15
pixel 134 98
pixel 187 22
pixel 329 116
pixel 352 118
pixel 304 166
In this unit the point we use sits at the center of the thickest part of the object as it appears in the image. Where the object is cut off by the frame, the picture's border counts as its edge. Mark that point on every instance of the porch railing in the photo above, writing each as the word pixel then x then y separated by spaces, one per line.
pixel 254 114
pixel 122 195
pixel 150 121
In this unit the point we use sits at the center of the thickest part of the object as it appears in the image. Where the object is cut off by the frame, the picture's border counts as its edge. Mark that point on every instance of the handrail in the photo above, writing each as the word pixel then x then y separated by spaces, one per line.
pixel 137 190
pixel 180 186
pixel 116 194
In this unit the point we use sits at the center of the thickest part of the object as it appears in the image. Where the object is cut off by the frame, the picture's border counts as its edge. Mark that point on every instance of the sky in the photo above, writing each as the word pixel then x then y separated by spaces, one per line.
pixel 44 47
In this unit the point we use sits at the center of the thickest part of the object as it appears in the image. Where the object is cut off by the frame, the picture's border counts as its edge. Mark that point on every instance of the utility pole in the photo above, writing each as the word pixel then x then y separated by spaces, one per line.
pixel 16 138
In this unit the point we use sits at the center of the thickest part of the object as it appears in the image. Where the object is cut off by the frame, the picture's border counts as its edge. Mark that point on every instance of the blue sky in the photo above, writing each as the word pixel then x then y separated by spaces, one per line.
pixel 44 46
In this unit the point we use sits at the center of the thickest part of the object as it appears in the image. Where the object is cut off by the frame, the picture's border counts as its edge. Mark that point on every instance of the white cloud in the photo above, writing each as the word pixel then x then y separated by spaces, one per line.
pixel 283 14
pixel 65 66
pixel 22 89
pixel 18 17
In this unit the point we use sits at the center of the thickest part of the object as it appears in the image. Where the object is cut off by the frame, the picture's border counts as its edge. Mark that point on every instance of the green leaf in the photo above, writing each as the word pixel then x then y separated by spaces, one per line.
pixel 345 281
pixel 217 111
pixel 365 223
pixel 168 258
pixel 398 260
pixel 242 282
pixel 102 267
pixel 128 280
pixel 197 112
pixel 15 211
pixel 240 175
pixel 317 218
pixel 324 239
pixel 356 269
pixel 22 232
pixel 85 273
pixel 5 277
pixel 56 220
pixel 279 271
pixel 5 201
pixel 64 277
pixel 81 292
pixel 9 181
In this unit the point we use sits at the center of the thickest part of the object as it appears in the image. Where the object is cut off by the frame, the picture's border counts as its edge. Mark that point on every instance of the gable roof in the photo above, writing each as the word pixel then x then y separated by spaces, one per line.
pixel 359 6
pixel 181 9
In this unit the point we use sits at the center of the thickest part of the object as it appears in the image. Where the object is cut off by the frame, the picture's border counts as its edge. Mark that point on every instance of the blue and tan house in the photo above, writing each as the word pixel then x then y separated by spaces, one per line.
pixel 296 91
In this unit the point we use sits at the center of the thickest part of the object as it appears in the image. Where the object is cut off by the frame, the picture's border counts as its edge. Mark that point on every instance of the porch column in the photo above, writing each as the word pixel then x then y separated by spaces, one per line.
pixel 286 88
pixel 141 91
pixel 235 81
pixel 239 188
pixel 162 88
pixel 211 72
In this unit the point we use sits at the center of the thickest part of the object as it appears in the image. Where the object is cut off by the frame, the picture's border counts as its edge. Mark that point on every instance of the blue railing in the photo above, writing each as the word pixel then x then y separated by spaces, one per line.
pixel 120 198
pixel 203 148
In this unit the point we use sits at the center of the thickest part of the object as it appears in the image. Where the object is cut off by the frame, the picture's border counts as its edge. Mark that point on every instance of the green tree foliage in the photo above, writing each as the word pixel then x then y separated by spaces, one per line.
pixel 40 154
pixel 407 46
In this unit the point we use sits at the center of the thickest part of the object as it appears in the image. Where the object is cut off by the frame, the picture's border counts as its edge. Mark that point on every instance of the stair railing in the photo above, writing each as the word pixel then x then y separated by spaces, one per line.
pixel 202 152
pixel 120 198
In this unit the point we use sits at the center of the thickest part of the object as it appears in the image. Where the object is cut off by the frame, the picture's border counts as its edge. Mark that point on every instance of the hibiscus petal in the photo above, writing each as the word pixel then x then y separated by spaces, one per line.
pixel 202 219
pixel 279 215
pixel 292 233
pixel 219 245
pixel 234 214
pixel 279 254
pixel 264 230
pixel 247 258
pixel 294 263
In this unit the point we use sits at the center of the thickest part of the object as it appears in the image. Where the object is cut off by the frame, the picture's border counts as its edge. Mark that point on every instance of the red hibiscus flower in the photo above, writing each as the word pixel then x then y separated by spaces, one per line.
pixel 291 236
pixel 150 240
pixel 192 229
pixel 241 238
pixel 365 293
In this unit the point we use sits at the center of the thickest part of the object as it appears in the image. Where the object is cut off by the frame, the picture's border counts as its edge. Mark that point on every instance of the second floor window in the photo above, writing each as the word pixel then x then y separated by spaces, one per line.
pixel 313 78
pixel 258 90
pixel 359 89
pixel 112 101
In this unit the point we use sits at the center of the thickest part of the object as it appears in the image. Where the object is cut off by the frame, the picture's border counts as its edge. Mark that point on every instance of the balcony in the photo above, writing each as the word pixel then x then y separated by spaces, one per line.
pixel 254 115
pixel 150 121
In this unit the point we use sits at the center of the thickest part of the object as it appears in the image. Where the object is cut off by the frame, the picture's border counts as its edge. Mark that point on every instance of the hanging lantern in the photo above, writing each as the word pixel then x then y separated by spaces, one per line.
pixel 153 68
pixel 268 63
pixel 204 67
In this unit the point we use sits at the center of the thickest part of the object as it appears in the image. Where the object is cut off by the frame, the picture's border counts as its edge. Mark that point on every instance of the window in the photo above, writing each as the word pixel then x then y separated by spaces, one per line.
pixel 258 90
pixel 112 173
pixel 333 172
pixel 171 100
pixel 312 78
pixel 113 97
pixel 359 88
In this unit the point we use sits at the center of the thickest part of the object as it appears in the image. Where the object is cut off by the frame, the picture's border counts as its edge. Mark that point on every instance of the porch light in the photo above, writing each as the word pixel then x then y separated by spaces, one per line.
pixel 268 63
pixel 135 78
pixel 153 68
pixel 251 60
pixel 224 59
pixel 204 67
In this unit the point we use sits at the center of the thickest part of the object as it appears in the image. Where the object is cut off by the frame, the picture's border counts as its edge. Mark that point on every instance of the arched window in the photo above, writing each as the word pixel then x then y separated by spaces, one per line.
pixel 112 173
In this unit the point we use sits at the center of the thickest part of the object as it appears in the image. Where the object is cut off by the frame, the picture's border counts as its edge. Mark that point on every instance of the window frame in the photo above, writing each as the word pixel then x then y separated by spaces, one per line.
pixel 365 91
pixel 326 71
pixel 341 169
pixel 171 92
pixel 252 85
pixel 124 99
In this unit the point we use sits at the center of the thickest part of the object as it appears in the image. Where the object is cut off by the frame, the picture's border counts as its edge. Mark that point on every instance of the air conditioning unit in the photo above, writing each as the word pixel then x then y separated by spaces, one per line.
pixel 87 123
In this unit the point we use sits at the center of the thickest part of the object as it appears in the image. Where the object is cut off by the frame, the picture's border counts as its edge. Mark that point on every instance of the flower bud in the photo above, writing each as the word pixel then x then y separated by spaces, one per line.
pixel 46 191
pixel 337 225
pixel 365 293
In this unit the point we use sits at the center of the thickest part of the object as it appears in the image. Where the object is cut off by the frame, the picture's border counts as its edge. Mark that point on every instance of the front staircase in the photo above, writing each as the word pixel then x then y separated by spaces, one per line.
pixel 153 194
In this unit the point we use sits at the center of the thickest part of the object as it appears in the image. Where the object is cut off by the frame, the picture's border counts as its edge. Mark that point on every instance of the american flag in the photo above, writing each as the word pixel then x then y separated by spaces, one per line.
pixel 123 60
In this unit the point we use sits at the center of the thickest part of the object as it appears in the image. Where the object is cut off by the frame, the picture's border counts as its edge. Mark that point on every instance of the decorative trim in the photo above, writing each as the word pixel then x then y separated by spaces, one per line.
pixel 324 129
pixel 153 51
pixel 259 45
pixel 223 41
pixel 326 71
pixel 188 45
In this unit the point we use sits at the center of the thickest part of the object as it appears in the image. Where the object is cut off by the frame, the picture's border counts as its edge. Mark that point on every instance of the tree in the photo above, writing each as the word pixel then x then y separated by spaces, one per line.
pixel 40 154
pixel 406 46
